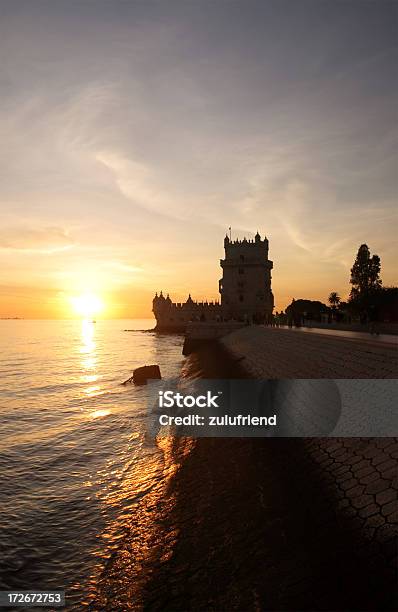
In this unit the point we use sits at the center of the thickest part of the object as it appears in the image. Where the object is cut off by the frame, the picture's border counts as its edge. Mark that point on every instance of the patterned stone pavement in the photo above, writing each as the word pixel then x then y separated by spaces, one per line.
pixel 360 473
pixel 280 524
pixel 363 475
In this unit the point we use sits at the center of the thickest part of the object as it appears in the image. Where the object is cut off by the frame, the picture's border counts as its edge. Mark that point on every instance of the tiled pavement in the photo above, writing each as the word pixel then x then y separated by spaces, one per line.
pixel 360 473
pixel 280 524
pixel 363 474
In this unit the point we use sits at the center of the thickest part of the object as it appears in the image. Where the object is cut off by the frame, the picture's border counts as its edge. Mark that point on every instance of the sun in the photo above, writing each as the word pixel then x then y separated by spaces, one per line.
pixel 87 305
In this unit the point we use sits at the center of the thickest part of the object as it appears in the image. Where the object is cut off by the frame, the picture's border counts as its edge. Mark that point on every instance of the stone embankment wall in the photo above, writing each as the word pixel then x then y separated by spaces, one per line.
pixel 201 334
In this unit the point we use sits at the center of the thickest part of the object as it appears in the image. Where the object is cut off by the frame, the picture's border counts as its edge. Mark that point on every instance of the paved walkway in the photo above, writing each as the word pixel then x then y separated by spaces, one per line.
pixel 346 333
pixel 264 525
pixel 358 476
pixel 283 353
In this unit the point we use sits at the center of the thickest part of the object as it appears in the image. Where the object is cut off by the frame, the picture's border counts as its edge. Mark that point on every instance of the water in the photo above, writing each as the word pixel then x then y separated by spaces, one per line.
pixel 74 456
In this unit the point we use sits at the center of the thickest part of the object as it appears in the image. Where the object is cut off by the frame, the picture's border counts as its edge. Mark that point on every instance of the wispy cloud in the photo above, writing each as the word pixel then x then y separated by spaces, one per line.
pixel 46 240
pixel 136 183
pixel 133 135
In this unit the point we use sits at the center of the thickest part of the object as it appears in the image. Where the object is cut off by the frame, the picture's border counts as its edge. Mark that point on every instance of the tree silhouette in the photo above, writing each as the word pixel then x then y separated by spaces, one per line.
pixel 334 299
pixel 365 274
pixel 366 283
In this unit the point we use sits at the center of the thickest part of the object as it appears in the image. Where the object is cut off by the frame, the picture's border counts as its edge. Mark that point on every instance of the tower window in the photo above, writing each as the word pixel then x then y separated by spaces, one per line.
pixel 242 258
pixel 241 298
pixel 241 271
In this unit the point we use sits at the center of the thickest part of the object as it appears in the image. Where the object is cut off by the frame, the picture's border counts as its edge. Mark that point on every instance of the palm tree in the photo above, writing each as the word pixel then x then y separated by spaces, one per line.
pixel 334 300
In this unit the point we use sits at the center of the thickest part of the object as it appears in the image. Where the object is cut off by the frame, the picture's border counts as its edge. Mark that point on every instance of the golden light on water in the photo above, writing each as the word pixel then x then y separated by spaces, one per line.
pixel 97 414
pixel 89 378
pixel 87 305
pixel 89 361
pixel 87 348
pixel 88 344
pixel 94 390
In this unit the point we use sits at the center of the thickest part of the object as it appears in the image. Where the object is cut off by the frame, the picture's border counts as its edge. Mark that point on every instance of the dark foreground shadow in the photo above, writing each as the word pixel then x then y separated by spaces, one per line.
pixel 254 524
pixel 258 529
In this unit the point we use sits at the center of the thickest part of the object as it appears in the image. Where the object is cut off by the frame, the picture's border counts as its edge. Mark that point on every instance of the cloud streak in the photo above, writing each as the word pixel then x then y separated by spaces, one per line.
pixel 136 134
pixel 46 240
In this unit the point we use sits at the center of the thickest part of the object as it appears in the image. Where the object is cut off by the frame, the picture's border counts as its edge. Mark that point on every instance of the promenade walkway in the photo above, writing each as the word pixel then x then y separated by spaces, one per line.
pixel 281 524
pixel 358 477
pixel 267 352
pixel 347 333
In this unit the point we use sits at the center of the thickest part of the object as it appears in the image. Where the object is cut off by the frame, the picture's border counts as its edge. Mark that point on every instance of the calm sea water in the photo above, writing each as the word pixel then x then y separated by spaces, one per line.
pixel 74 455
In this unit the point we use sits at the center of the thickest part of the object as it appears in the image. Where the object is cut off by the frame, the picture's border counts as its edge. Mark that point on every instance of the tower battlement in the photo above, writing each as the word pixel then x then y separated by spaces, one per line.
pixel 174 316
pixel 245 290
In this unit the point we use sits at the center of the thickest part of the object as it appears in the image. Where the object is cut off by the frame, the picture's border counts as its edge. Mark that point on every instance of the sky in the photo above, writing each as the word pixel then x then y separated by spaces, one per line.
pixel 135 133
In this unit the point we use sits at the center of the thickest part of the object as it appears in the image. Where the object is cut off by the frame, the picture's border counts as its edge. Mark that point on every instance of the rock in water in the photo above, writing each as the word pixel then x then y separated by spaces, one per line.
pixel 145 373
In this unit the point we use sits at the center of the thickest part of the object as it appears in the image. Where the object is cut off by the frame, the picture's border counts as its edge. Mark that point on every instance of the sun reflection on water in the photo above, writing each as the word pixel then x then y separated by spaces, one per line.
pixel 89 378
pixel 89 360
pixel 74 420
pixel 97 414
pixel 147 498
pixel 88 344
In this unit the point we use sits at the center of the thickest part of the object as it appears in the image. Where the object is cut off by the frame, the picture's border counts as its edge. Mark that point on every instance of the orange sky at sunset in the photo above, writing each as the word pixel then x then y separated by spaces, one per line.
pixel 123 164
pixel 128 293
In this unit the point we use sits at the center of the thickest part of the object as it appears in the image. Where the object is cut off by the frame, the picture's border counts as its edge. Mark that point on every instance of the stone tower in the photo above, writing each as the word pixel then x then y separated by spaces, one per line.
pixel 245 287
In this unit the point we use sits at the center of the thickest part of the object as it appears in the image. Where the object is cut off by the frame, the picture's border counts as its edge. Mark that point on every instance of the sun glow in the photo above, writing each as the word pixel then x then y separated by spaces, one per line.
pixel 87 305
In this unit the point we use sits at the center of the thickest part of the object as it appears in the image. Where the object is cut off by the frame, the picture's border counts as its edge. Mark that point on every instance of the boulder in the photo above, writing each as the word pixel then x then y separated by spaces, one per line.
pixel 143 374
